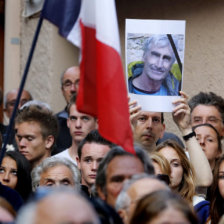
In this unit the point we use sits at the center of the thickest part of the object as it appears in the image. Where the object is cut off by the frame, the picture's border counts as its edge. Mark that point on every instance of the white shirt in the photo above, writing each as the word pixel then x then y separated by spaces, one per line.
pixel 65 154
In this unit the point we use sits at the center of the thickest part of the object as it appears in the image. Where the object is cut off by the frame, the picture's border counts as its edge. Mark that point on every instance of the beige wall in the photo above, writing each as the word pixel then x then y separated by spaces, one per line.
pixel 12 45
pixel 52 56
pixel 204 51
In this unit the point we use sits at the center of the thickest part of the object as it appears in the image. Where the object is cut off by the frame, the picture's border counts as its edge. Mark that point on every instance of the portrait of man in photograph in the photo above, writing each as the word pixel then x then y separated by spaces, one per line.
pixel 152 75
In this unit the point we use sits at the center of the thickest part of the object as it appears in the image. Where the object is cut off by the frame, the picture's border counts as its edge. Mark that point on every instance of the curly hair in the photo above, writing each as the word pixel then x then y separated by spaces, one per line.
pixel 53 162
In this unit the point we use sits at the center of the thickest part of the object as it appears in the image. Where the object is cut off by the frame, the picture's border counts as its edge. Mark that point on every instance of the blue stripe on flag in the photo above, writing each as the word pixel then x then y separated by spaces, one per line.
pixel 62 13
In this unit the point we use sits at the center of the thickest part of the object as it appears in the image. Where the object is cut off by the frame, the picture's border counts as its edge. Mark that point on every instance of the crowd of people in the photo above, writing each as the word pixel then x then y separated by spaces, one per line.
pixel 59 169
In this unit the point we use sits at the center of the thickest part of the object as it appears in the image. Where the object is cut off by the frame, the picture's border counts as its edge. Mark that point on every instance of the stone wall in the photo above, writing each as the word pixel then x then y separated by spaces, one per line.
pixel 53 54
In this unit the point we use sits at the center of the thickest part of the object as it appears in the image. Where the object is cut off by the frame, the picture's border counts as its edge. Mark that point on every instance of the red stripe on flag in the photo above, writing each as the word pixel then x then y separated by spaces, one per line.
pixel 102 89
pixel 87 100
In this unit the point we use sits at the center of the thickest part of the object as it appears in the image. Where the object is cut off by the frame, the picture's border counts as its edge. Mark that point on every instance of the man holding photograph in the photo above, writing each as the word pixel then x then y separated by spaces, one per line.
pixel 153 76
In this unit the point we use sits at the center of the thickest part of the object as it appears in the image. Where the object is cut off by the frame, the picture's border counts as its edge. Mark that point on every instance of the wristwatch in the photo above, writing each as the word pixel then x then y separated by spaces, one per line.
pixel 190 135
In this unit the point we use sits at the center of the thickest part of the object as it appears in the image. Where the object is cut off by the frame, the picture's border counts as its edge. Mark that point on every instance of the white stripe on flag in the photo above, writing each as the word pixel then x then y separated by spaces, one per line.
pixel 107 29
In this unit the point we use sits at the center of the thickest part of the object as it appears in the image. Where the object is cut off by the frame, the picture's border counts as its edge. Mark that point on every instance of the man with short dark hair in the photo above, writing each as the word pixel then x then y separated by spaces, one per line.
pixel 79 125
pixel 36 131
pixel 118 166
pixel 208 108
pixel 69 86
pixel 147 127
pixel 91 151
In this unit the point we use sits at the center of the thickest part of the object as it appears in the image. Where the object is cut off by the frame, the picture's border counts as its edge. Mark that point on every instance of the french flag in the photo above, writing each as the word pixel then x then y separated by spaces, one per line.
pixel 102 90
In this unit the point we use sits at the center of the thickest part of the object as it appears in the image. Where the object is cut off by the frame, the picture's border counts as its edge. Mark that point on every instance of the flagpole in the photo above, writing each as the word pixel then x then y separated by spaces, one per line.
pixel 22 83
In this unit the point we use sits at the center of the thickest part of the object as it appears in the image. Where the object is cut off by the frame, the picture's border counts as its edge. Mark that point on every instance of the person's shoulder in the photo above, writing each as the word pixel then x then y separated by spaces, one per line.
pixel 62 114
pixel 64 153
pixel 170 135
pixel 202 209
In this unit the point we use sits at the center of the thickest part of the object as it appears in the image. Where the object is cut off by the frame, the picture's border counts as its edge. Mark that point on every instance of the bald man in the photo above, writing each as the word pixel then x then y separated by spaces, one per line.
pixel 133 190
pixel 69 86
pixel 60 205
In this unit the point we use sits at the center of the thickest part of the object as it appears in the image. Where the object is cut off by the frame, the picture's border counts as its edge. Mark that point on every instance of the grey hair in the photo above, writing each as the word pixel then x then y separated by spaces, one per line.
pixel 10 91
pixel 123 200
pixel 119 151
pixel 159 41
pixel 37 103
pixel 52 162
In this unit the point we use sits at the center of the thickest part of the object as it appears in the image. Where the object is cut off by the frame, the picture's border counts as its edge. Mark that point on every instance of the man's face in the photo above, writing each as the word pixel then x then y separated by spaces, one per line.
pixel 70 82
pixel 59 175
pixel 158 62
pixel 139 189
pixel 31 143
pixel 11 100
pixel 92 154
pixel 80 124
pixel 148 128
pixel 119 169
pixel 207 114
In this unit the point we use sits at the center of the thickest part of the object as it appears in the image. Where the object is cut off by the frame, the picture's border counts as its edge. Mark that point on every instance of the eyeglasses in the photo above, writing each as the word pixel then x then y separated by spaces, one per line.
pixel 13 102
pixel 68 84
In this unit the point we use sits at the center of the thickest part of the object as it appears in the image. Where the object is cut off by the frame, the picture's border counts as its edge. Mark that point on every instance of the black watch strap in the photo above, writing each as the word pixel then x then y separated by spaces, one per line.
pixel 187 137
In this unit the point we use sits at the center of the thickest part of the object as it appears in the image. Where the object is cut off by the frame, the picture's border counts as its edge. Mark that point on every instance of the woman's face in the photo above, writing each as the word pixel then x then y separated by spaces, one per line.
pixel 8 172
pixel 175 164
pixel 221 179
pixel 170 216
pixel 208 140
